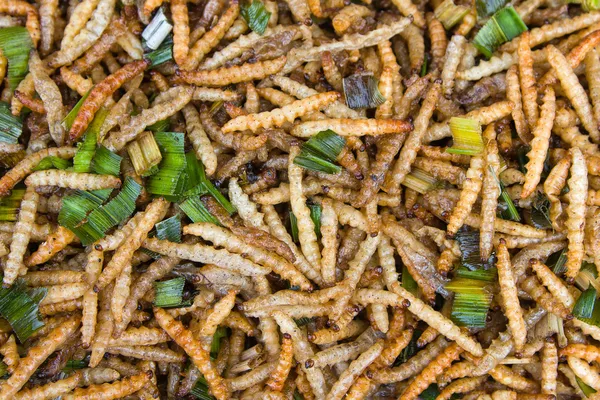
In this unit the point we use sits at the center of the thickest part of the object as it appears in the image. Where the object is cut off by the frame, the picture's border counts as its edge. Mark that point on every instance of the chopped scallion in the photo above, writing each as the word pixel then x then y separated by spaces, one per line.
pixel 161 55
pixel 73 365
pixel 169 293
pixel 315 215
pixel 431 393
pixel 294 227
pixel 105 162
pixel 11 127
pixel 9 205
pixel 16 44
pixel 584 307
pixel 169 229
pixel 557 262
pixel 200 390
pixel 408 282
pixel 466 137
pixel 471 302
pixel 420 181
pixel 157 30
pixel 85 152
pixel 215 345
pixel 256 16
pixel 67 122
pixel 468 242
pixel 144 154
pixel 502 27
pixel 160 126
pixel 587 390
pixel 486 275
pixel 510 212
pixel 198 183
pixel 449 14
pixel 52 162
pixel 196 211
pixel 320 152
pixel 486 8
pixel 166 182
pixel 76 207
pixel 21 309
pixel 362 91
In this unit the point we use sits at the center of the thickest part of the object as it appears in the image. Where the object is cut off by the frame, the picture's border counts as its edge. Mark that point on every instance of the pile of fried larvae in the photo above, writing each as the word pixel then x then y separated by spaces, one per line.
pixel 356 300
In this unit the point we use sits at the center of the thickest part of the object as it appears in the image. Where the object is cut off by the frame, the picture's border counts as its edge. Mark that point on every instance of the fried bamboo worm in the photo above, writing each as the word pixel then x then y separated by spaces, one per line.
pixel 56 242
pixel 234 74
pixel 413 142
pixel 72 180
pixel 201 359
pixel 22 8
pixel 490 194
pixel 527 80
pixel 200 142
pixel 21 235
pixel 116 390
pixel 37 355
pixel 575 222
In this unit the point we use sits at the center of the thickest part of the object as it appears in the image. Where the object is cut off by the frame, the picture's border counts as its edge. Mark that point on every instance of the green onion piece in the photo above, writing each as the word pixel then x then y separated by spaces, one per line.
pixel 362 91
pixel 10 205
pixel 215 345
pixel 468 242
pixel 449 14
pixel 420 181
pixel 170 229
pixel 85 152
pixel 159 126
pixel 298 396
pixel 105 162
pixel 503 27
pixel 101 219
pixel 144 154
pixel 195 209
pixel 320 152
pixel 3 369
pixel 466 137
pixel 424 66
pixel 315 215
pixel 198 183
pixel 151 253
pixel 161 55
pixel 214 107
pixel 67 122
pixel 16 44
pixel 431 393
pixel 487 275
pixel 485 8
pixel 408 282
pixel 557 262
pixel 471 302
pixel 166 181
pixel 590 5
pixel 256 16
pixel 73 365
pixel 522 159
pixel 52 162
pixel 584 306
pixel 169 293
pixel 511 212
pixel 200 390
pixel 157 30
pixel 587 390
pixel 76 207
pixel 294 227
pixel 587 276
pixel 21 309
pixel 11 127
pixel 466 285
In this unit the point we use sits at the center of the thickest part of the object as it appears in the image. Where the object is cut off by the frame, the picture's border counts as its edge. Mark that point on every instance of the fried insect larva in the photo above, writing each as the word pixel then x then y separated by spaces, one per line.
pixel 11 354
pixel 93 269
pixel 99 49
pixel 549 363
pixel 431 371
pixel 539 144
pixel 454 53
pixel 527 80
pixel 86 37
pixel 586 352
pixel 56 242
pixel 20 237
pixel 79 17
pixel 278 377
pixel 356 367
pixel 22 8
pixel 302 352
pixel 100 93
pixel 575 138
pixel 61 307
pixel 553 186
pixel 464 385
pixel 587 373
pixel 490 193
pixel 573 90
pixel 72 180
pixel 207 255
pixel 510 299
pixel 50 390
pixel 352 276
pixel 508 377
pixel 544 298
pixel 201 358
pixel 154 212
pixel 306 227
pixel 148 353
pixel 245 207
pixel 214 318
pixel 592 68
pixel 54 277
pixel 278 230
pixel 438 321
pixel 513 94
pixel 116 390
pixel 211 38
pixel 552 282
pixel 173 100
pixel 407 8
pixel 347 16
pixel 278 117
pixel 326 336
pixel 235 74
pixel 36 355
pixel 329 232
pixel 68 291
pixel 122 289
pixel 181 31
pixel 75 81
pixel 352 127
pixel 385 254
pixel 489 67
pixel 408 153
pixel 438 41
pixel 51 97
pixel 35 105
pixel 575 222
pixel 211 94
